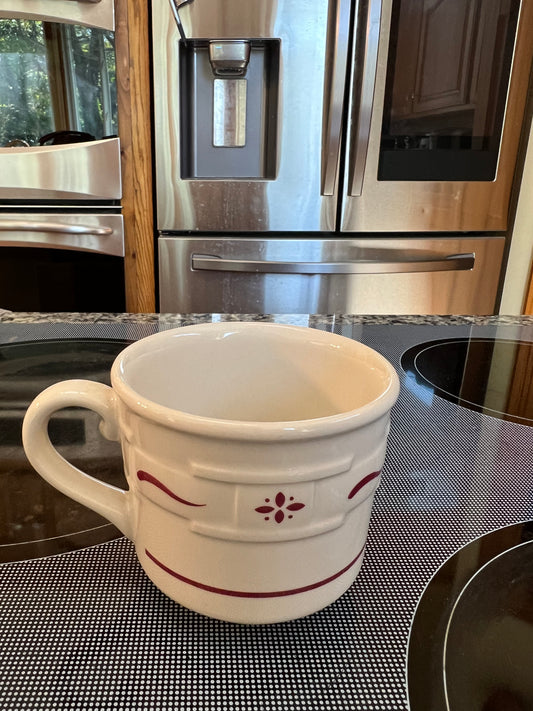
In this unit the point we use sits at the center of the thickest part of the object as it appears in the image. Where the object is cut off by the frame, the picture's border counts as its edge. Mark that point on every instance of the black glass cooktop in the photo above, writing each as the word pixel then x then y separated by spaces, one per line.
pixel 471 641
pixel 35 518
pixel 488 375
pixel 451 475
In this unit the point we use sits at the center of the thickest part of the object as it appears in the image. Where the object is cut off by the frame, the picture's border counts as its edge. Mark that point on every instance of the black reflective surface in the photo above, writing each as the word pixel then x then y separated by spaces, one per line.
pixel 36 519
pixel 447 79
pixel 471 641
pixel 487 375
pixel 490 636
pixel 57 280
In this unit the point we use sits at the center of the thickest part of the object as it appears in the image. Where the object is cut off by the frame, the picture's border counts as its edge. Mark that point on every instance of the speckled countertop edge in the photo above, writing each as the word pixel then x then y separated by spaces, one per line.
pixel 304 319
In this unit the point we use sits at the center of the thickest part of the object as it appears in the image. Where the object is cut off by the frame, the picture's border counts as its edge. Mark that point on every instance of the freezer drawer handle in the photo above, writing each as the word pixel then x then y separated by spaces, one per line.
pixel 23 226
pixel 452 262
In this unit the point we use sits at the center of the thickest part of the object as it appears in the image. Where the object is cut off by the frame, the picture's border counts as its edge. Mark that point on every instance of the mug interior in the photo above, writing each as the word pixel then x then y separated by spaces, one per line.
pixel 254 372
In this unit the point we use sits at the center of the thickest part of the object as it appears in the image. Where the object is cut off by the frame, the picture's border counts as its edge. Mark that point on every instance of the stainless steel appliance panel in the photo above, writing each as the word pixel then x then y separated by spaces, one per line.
pixel 90 232
pixel 94 13
pixel 75 171
pixel 384 275
pixel 61 231
pixel 458 72
pixel 454 92
pixel 296 136
pixel 392 122
pixel 59 118
pixel 62 261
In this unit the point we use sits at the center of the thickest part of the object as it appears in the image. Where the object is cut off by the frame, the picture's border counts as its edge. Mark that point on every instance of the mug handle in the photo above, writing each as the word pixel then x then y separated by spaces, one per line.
pixel 109 501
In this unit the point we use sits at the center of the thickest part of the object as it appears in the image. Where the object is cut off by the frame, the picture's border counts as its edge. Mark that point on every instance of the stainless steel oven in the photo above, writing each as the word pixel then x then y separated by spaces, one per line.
pixel 380 136
pixel 62 260
pixel 61 228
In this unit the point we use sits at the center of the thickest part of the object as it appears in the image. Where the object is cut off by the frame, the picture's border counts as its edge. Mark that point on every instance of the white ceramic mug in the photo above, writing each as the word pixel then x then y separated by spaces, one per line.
pixel 252 452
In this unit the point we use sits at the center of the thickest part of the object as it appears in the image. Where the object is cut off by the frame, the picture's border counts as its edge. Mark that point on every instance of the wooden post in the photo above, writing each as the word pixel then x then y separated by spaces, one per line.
pixel 134 119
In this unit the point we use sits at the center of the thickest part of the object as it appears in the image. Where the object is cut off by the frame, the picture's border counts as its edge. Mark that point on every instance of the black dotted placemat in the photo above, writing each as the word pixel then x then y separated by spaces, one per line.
pixel 88 630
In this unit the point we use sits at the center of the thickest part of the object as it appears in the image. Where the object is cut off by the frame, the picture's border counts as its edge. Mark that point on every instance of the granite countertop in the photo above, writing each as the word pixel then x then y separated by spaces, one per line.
pixel 302 319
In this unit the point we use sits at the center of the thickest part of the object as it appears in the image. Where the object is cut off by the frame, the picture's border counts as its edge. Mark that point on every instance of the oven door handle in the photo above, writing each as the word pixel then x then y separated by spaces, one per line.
pixel 55 227
pixel 451 262
pixel 64 231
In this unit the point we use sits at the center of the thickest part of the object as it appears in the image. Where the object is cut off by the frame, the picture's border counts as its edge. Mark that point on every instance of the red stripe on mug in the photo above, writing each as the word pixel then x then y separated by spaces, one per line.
pixel 365 480
pixel 145 476
pixel 252 594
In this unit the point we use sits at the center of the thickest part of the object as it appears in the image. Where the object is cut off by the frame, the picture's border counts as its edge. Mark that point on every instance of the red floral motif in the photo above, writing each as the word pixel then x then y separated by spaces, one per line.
pixel 281 507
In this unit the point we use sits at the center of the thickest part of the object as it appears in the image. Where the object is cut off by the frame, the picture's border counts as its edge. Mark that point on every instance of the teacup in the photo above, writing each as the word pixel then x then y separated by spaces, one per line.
pixel 252 453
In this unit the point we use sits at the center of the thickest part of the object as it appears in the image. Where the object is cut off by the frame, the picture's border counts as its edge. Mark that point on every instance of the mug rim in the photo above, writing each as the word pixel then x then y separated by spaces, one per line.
pixel 254 430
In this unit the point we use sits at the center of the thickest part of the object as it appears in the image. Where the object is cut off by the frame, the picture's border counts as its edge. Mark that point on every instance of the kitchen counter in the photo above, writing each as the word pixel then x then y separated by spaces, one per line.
pixel 83 628
pixel 176 320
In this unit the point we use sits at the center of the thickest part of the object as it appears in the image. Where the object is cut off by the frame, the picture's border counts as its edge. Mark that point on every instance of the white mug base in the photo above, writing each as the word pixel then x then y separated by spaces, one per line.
pixel 236 607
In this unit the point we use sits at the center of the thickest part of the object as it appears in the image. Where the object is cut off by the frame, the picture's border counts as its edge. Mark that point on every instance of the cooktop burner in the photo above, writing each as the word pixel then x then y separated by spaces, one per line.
pixel 35 518
pixel 488 375
pixel 471 641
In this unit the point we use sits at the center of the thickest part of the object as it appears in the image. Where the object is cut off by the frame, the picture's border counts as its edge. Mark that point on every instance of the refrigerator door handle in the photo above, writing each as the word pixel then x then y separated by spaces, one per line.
pixel 368 81
pixel 336 63
pixel 437 263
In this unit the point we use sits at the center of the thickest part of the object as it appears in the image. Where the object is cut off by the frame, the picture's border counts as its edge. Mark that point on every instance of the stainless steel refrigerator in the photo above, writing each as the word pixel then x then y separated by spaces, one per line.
pixel 336 156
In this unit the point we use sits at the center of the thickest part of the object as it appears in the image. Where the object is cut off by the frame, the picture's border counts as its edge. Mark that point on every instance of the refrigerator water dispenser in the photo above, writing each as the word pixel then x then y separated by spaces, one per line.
pixel 229 108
